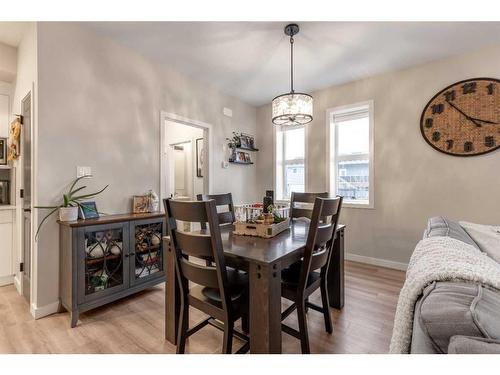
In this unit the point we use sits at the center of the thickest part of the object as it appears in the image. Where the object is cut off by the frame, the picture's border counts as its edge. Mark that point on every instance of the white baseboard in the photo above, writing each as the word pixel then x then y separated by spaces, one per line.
pixel 42 311
pixel 6 280
pixel 376 261
pixel 17 284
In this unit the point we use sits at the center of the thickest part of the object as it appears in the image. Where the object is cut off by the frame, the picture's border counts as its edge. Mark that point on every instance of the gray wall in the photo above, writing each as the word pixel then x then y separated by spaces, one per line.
pixel 99 106
pixel 412 180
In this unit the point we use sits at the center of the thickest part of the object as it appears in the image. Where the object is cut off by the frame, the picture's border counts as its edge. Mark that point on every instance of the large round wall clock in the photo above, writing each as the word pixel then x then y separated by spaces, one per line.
pixel 463 119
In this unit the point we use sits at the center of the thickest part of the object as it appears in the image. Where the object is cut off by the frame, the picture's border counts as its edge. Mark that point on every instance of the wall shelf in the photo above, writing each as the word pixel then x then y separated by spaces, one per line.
pixel 247 148
pixel 240 162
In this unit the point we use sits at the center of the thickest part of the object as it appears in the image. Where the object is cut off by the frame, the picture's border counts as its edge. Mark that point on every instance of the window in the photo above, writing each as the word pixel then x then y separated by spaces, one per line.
pixel 290 161
pixel 351 153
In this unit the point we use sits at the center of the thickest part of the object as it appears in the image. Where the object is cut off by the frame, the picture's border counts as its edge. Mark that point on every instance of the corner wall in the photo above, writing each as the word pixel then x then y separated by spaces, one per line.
pixel 99 106
pixel 412 181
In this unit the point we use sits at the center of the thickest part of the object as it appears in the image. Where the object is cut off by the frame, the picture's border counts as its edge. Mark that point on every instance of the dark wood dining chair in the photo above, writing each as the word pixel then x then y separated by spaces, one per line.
pixel 303 278
pixel 298 201
pixel 221 200
pixel 220 292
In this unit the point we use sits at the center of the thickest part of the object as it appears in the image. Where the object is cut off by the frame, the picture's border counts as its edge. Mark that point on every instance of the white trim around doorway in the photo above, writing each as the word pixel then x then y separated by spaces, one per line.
pixel 164 162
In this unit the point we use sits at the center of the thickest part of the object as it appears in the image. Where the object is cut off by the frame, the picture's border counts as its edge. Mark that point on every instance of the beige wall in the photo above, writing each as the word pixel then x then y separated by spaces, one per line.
pixel 8 62
pixel 99 106
pixel 412 180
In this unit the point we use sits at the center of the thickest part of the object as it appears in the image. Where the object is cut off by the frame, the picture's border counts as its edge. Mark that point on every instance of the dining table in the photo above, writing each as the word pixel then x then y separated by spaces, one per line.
pixel 263 259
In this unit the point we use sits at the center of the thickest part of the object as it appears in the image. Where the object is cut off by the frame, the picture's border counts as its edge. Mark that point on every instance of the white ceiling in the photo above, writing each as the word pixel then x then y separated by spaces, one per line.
pixel 11 33
pixel 250 60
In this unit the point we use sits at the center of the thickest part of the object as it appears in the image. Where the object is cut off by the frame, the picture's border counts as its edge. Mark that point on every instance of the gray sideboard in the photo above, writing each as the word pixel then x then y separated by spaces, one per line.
pixel 104 259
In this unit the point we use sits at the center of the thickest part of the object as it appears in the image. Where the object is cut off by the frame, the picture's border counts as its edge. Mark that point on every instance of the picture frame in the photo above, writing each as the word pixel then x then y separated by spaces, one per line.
pixel 3 151
pixel 140 204
pixel 244 141
pixel 199 157
pixel 88 210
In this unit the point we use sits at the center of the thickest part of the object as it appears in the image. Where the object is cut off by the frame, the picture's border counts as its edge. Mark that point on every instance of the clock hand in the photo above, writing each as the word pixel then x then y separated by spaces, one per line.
pixel 471 119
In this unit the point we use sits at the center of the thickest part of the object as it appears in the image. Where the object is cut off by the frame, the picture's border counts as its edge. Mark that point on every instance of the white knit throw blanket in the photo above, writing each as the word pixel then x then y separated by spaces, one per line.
pixel 438 259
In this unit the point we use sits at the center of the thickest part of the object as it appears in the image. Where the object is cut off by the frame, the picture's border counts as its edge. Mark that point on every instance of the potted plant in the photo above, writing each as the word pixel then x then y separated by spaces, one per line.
pixel 68 209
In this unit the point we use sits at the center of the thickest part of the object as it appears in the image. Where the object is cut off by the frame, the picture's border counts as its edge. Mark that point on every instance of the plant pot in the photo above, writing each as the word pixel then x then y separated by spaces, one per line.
pixel 68 213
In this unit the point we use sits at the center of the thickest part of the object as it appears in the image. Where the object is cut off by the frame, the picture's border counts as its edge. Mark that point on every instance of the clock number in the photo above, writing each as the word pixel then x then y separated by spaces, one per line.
pixel 436 136
pixel 489 141
pixel 449 95
pixel 469 88
pixel 428 123
pixel 468 146
pixel 490 88
pixel 437 108
pixel 449 144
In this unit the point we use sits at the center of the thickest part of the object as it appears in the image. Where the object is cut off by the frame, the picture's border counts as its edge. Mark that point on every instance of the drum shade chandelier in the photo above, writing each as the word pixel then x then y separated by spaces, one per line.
pixel 293 108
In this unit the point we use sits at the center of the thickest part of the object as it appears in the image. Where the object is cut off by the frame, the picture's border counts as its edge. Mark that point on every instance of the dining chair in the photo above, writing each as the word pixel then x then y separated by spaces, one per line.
pixel 300 201
pixel 221 200
pixel 219 291
pixel 303 278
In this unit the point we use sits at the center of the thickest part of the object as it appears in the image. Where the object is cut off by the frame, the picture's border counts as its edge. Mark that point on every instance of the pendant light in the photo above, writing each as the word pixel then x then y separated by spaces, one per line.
pixel 293 108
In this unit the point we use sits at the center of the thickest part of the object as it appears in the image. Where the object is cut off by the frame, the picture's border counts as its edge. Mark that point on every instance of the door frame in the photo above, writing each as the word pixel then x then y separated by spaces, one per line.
pixel 164 154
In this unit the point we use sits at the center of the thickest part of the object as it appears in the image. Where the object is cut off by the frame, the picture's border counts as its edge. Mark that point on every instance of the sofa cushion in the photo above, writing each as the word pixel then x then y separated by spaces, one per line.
pixel 455 308
pixel 473 345
pixel 440 226
pixel 487 237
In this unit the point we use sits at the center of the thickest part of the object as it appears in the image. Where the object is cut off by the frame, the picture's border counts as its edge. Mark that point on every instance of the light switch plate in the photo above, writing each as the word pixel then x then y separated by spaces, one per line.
pixel 225 164
pixel 227 112
pixel 83 171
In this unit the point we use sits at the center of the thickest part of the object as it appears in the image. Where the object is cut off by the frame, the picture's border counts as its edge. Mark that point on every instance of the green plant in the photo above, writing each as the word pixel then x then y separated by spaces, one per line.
pixel 70 199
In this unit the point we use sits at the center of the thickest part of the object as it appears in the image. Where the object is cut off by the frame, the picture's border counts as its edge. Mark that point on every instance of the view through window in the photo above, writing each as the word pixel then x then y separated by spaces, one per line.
pixel 350 164
pixel 290 161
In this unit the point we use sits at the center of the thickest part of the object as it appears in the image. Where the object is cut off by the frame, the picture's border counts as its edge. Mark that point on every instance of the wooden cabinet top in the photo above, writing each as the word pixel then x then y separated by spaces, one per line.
pixel 110 219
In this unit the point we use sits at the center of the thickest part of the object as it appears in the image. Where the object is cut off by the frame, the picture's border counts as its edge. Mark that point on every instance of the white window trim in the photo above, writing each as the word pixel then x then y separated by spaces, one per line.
pixel 275 172
pixel 330 175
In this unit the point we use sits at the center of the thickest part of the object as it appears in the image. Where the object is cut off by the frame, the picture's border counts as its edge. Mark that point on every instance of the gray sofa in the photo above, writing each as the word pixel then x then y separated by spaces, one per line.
pixel 456 317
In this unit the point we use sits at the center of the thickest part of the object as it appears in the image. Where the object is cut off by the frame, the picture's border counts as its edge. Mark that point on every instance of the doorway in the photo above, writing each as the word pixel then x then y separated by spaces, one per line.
pixel 185 157
pixel 26 195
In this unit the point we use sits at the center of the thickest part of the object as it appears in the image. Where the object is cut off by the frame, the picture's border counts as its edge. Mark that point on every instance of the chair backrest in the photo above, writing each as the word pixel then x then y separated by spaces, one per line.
pixel 225 217
pixel 300 201
pixel 202 244
pixel 320 237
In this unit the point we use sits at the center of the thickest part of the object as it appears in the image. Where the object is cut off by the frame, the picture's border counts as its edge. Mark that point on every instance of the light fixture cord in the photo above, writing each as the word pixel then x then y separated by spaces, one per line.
pixel 291 64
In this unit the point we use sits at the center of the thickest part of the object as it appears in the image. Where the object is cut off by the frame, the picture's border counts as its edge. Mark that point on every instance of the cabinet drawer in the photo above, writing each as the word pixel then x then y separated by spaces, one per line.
pixel 5 216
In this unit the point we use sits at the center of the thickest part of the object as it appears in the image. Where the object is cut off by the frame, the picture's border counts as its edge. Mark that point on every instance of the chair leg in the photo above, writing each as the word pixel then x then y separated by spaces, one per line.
pixel 307 307
pixel 183 328
pixel 245 323
pixel 228 337
pixel 304 337
pixel 326 308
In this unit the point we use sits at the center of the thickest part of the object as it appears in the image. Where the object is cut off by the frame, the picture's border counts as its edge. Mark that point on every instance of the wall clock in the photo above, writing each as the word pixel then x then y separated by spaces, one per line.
pixel 463 119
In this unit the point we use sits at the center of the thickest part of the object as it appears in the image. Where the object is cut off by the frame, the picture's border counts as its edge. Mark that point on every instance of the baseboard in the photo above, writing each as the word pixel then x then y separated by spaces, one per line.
pixel 6 280
pixel 376 261
pixel 17 284
pixel 42 311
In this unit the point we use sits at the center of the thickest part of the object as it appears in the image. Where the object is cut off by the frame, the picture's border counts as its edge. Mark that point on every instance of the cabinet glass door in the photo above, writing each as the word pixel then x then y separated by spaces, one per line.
pixel 104 262
pixel 148 249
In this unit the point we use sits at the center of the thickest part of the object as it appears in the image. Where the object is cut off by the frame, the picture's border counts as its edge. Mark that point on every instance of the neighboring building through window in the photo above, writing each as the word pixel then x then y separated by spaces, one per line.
pixel 351 153
pixel 290 161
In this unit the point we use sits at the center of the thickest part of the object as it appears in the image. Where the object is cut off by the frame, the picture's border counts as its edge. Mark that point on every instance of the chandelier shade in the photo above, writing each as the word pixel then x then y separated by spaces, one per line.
pixel 292 109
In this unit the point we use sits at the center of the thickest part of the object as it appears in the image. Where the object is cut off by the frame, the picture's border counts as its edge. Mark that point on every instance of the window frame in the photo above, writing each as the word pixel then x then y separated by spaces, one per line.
pixel 332 158
pixel 276 132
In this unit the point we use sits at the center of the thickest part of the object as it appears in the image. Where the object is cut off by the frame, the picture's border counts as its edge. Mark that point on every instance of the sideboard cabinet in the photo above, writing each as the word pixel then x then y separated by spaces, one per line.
pixel 104 259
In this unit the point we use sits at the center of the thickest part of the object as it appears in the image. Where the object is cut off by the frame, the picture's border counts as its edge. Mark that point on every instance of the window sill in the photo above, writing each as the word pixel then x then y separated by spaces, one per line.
pixel 358 205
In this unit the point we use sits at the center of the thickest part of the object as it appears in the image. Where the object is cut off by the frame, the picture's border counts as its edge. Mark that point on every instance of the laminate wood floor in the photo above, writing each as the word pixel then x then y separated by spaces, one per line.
pixel 135 324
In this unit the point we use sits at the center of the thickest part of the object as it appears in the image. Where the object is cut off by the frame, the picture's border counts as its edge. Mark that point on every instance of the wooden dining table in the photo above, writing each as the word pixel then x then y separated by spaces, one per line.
pixel 263 259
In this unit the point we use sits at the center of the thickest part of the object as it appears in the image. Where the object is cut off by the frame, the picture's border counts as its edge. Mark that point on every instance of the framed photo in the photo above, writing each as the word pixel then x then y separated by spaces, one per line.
pixel 199 157
pixel 88 210
pixel 140 204
pixel 247 141
pixel 244 141
pixel 3 151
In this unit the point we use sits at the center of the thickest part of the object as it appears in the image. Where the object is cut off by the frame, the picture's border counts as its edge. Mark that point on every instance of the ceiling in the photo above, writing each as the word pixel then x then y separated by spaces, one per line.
pixel 250 60
pixel 11 33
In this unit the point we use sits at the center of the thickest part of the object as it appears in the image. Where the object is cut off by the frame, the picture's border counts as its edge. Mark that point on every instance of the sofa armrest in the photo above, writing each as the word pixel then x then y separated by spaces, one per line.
pixel 473 345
